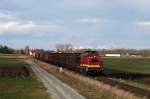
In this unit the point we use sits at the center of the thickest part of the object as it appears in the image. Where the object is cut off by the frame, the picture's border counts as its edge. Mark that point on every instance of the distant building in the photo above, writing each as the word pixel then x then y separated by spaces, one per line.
pixel 112 55
pixel 135 54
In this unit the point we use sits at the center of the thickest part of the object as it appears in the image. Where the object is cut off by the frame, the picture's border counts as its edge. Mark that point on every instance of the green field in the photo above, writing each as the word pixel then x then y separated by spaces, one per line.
pixel 20 87
pixel 10 62
pixel 131 65
pixel 138 65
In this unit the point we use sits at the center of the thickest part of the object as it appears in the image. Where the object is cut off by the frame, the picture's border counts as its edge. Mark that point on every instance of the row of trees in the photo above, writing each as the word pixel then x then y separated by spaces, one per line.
pixel 5 49
pixel 69 48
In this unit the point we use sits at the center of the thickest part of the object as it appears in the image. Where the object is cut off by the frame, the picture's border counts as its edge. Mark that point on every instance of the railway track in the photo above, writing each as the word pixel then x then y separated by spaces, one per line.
pixel 126 87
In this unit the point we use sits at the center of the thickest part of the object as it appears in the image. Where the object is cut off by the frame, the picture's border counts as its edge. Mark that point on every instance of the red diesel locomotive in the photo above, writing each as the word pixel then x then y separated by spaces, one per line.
pixel 87 61
pixel 91 60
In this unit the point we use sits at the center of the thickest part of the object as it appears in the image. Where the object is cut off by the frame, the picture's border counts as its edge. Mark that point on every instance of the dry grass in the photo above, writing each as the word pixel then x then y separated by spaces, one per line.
pixel 132 83
pixel 88 87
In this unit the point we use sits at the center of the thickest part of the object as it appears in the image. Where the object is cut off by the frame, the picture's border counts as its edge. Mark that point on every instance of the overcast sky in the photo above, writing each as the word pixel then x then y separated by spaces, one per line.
pixel 83 23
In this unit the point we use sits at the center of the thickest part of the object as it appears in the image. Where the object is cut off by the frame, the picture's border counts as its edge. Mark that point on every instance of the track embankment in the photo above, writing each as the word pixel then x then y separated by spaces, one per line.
pixel 130 88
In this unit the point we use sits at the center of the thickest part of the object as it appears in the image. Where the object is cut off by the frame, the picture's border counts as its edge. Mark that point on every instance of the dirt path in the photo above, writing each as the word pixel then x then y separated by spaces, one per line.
pixel 55 88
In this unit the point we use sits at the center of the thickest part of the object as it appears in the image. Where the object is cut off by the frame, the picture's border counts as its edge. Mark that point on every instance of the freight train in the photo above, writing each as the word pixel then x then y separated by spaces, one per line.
pixel 89 61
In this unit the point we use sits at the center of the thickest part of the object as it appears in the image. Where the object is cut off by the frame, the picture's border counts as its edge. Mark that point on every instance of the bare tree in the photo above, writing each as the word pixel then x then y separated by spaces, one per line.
pixel 59 47
pixel 64 47
pixel 68 47
pixel 27 49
